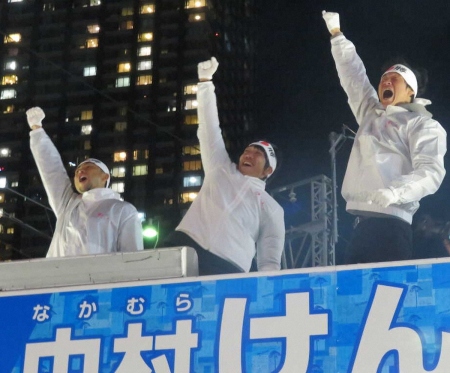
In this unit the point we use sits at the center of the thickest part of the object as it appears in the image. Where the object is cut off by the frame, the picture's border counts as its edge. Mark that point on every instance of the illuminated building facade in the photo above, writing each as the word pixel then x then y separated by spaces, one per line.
pixel 117 81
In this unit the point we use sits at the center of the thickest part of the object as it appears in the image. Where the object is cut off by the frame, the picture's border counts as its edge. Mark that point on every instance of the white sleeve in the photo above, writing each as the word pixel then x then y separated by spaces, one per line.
pixel 270 243
pixel 362 97
pixel 209 134
pixel 53 174
pixel 428 145
pixel 130 232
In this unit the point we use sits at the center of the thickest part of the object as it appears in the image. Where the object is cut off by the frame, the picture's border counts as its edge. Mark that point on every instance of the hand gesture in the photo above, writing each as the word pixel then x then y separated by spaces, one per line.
pixel 206 69
pixel 35 115
pixel 332 21
pixel 383 197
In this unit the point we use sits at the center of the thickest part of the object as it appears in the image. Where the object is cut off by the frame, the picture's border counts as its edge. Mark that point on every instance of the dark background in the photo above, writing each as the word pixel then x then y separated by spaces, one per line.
pixel 300 100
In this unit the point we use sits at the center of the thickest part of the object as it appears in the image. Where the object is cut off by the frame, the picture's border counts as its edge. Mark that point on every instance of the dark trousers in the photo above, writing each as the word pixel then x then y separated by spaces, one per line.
pixel 379 240
pixel 208 263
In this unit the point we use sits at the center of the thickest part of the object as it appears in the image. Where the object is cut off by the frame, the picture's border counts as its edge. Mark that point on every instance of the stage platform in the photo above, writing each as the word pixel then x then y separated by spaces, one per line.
pixel 114 314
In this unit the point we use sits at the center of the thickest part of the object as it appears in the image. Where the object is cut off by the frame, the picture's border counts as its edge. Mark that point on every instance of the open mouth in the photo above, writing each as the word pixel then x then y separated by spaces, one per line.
pixel 388 94
pixel 82 178
pixel 247 164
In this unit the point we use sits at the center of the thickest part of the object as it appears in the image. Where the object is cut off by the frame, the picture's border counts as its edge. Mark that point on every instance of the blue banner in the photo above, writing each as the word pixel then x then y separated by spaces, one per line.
pixel 346 319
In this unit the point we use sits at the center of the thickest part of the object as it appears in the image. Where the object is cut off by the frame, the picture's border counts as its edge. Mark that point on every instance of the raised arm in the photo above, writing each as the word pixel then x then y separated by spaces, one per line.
pixel 53 174
pixel 212 146
pixel 362 97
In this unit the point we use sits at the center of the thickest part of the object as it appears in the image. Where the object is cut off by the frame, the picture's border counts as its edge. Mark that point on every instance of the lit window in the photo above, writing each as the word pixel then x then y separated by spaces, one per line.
pixel 3 182
pixel 145 51
pixel 93 29
pixel 90 71
pixel 123 67
pixel 147 8
pixel 144 65
pixel 145 36
pixel 144 80
pixel 13 38
pixel 5 152
pixel 118 187
pixel 140 154
pixel 14 184
pixel 140 170
pixel 10 65
pixel 190 104
pixel 86 129
pixel 159 171
pixel 188 197
pixel 10 230
pixel 190 89
pixel 7 94
pixel 87 145
pixel 120 126
pixel 123 82
pixel 191 150
pixel 95 2
pixel 195 3
pixel 196 17
pixel 191 181
pixel 2 197
pixel 127 11
pixel 118 171
pixel 92 43
pixel 86 115
pixel 120 156
pixel 191 119
pixel 192 165
pixel 8 109
pixel 9 79
pixel 15 1
pixel 126 25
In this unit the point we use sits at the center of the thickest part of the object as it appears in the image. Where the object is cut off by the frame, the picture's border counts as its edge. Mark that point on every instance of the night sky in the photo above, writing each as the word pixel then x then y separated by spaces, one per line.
pixel 300 99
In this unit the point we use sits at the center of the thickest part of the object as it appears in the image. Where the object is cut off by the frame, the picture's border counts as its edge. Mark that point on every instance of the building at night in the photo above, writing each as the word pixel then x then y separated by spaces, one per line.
pixel 117 81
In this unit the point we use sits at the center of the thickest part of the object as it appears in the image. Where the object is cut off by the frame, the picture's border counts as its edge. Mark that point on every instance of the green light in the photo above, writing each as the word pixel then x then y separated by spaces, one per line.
pixel 149 232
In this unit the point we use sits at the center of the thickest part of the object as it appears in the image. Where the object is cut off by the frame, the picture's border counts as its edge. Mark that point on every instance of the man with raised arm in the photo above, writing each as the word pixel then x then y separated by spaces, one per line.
pixel 397 156
pixel 92 221
pixel 233 217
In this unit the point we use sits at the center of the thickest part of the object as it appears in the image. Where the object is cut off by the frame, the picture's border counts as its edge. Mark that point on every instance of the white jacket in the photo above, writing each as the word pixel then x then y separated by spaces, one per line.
pixel 96 222
pixel 232 213
pixel 398 147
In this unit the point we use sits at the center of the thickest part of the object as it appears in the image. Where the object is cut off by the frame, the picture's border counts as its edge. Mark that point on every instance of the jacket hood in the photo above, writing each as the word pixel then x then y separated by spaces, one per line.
pixel 418 107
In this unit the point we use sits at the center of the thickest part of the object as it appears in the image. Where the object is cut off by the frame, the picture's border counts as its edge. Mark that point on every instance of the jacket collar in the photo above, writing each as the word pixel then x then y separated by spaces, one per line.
pixel 414 107
pixel 98 194
pixel 258 183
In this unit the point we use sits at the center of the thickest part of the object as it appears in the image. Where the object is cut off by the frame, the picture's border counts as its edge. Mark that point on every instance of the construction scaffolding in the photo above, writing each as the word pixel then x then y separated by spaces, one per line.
pixel 311 221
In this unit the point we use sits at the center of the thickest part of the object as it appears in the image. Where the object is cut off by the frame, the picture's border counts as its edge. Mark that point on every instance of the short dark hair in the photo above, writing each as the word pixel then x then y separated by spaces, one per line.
pixel 420 73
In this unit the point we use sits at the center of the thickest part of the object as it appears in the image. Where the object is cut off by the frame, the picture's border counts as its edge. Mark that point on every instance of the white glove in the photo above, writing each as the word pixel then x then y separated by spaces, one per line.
pixel 331 19
pixel 383 197
pixel 35 115
pixel 206 69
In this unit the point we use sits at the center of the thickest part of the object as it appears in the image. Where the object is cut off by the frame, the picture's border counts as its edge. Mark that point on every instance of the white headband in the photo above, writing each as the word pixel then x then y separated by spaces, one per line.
pixel 407 74
pixel 269 152
pixel 99 164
